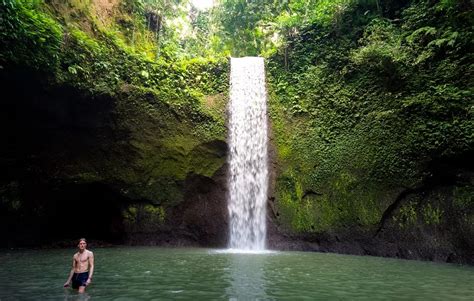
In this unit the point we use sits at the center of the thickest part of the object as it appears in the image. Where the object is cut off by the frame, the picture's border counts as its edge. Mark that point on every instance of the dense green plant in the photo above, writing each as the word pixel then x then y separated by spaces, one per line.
pixel 29 36
pixel 362 106
pixel 365 95
pixel 99 60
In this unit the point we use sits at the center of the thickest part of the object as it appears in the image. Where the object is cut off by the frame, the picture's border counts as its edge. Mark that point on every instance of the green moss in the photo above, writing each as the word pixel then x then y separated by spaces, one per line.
pixel 144 217
pixel 407 215
pixel 29 36
pixel 463 197
pixel 358 115
pixel 463 202
pixel 284 152
pixel 181 145
pixel 326 215
pixel 209 75
pixel 167 149
pixel 215 104
pixel 84 39
pixel 130 214
pixel 303 210
pixel 206 161
pixel 155 213
pixel 342 202
pixel 432 215
pixel 164 145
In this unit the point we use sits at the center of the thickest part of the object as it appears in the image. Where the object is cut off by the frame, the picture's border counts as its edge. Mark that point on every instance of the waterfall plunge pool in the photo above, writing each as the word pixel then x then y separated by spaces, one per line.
pixel 152 273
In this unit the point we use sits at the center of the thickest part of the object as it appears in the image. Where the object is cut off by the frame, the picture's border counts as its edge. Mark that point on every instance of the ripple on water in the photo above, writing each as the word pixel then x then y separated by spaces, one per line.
pixel 156 274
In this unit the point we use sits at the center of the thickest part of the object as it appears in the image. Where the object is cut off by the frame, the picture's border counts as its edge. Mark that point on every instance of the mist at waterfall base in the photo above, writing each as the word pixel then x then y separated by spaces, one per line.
pixel 248 176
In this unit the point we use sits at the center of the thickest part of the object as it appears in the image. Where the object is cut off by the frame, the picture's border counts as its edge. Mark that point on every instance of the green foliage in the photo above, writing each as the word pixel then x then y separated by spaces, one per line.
pixel 261 27
pixel 432 216
pixel 381 52
pixel 295 211
pixel 407 216
pixel 464 198
pixel 156 21
pixel 463 202
pixel 238 26
pixel 208 75
pixel 412 213
pixel 144 217
pixel 101 63
pixel 202 40
pixel 157 213
pixel 362 107
pixel 28 35
pixel 364 95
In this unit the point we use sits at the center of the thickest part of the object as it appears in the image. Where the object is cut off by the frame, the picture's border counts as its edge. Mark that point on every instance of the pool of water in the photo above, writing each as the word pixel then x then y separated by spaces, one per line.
pixel 145 273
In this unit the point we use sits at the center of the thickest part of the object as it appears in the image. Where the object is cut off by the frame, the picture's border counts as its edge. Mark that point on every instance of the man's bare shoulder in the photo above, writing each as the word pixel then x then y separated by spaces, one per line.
pixel 90 253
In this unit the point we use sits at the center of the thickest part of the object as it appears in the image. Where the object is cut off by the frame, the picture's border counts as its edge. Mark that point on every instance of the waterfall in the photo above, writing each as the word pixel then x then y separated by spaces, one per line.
pixel 248 179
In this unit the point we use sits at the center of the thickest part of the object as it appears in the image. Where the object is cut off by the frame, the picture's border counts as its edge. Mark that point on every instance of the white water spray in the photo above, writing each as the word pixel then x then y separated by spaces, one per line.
pixel 248 180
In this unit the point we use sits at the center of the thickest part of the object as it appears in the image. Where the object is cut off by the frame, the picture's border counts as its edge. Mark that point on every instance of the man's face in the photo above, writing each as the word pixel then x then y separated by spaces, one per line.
pixel 82 245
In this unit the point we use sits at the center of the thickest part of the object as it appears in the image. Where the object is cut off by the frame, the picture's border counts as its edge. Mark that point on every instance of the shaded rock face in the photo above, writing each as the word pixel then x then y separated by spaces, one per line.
pixel 53 213
pixel 201 220
pixel 39 137
pixel 205 213
pixel 74 165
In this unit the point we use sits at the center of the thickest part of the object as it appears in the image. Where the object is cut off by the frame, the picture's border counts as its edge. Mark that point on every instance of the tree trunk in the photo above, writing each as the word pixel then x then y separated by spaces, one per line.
pixel 157 33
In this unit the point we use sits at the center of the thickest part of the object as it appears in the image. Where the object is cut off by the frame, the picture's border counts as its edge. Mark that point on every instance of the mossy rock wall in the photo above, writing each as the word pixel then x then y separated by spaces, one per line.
pixel 372 125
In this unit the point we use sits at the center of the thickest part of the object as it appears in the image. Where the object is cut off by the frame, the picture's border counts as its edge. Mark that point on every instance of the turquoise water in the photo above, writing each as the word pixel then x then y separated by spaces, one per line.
pixel 139 273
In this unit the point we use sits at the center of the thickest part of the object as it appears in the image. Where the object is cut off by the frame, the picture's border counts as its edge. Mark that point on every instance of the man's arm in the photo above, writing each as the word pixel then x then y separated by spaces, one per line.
pixel 71 273
pixel 91 267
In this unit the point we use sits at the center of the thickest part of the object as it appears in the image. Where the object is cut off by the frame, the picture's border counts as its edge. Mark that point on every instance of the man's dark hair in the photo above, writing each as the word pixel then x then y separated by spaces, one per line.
pixel 82 239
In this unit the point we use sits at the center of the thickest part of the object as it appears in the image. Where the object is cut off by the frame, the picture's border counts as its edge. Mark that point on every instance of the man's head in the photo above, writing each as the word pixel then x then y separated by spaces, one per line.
pixel 82 244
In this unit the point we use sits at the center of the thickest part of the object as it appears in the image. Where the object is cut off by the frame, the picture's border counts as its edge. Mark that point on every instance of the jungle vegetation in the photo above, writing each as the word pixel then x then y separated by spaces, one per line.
pixel 369 99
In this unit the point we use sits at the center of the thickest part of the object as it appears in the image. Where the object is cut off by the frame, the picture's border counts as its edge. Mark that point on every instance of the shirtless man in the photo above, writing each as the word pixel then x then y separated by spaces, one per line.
pixel 82 267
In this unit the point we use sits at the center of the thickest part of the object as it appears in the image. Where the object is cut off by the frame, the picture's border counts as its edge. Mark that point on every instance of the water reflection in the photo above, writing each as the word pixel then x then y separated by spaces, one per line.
pixel 246 277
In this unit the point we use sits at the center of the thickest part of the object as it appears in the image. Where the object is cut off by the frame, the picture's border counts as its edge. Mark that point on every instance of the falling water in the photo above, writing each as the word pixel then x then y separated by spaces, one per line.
pixel 248 178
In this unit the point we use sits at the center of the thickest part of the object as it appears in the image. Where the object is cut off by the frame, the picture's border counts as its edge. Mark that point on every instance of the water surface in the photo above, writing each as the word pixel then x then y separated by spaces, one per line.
pixel 145 273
